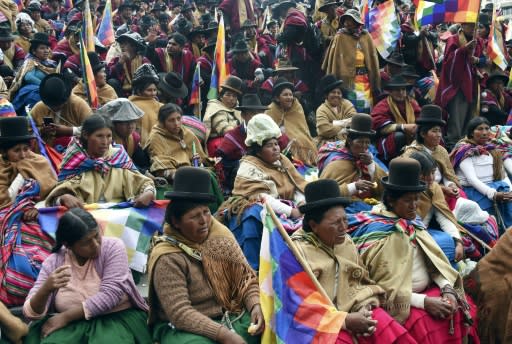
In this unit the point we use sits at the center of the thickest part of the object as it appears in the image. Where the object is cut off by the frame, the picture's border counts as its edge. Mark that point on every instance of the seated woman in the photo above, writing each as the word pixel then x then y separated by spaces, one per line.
pixel 334 115
pixel 25 178
pixel 93 170
pixel 423 291
pixel 496 103
pixel 124 116
pixel 199 280
pixel 288 114
pixel 264 175
pixel 25 87
pixel 480 168
pixel 351 164
pixel 25 30
pixel 85 289
pixel 144 94
pixel 394 119
pixel 220 115
pixel 332 256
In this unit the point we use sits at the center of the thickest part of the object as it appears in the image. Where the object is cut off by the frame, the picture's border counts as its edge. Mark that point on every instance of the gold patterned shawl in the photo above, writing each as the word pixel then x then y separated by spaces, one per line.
pixel 409 111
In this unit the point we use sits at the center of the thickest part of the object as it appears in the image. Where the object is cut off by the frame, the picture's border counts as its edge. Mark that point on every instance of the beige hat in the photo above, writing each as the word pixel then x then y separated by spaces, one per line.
pixel 260 128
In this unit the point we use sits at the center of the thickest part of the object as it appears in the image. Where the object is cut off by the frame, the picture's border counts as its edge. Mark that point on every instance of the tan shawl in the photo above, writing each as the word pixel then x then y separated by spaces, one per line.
pixel 213 108
pixel 441 157
pixel 255 176
pixel 409 111
pixel 34 166
pixel 390 262
pixel 224 265
pixel 150 107
pixel 353 289
pixel 340 59
pixel 295 127
pixel 325 115
pixel 167 153
pixel 106 93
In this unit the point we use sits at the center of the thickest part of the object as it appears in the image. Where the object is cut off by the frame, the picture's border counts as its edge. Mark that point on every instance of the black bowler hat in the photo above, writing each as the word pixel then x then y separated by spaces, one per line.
pixel 14 129
pixel 240 47
pixel 497 76
pixel 397 81
pixel 404 175
pixel 95 61
pixel 323 193
pixel 281 83
pixel 431 114
pixel 396 59
pixel 361 124
pixel 409 72
pixel 250 102
pixel 329 83
pixel 54 90
pixel 171 84
pixel 192 184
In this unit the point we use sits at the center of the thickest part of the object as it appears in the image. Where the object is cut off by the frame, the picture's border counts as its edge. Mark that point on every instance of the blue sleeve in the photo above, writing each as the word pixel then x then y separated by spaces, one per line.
pixel 34 77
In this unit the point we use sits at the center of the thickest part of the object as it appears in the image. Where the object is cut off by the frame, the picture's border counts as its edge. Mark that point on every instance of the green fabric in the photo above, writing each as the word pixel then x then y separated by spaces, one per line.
pixel 4 341
pixel 164 334
pixel 128 326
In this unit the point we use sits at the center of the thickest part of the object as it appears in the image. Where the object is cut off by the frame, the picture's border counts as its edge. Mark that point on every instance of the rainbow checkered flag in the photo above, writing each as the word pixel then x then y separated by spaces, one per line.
pixel 384 27
pixel 134 226
pixel 447 11
pixel 295 309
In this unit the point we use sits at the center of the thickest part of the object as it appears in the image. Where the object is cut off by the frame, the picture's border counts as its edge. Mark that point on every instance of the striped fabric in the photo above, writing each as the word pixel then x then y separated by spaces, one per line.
pixel 6 108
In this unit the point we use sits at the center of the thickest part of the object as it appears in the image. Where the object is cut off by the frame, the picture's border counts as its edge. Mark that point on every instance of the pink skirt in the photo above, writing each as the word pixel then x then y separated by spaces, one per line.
pixel 428 330
pixel 389 331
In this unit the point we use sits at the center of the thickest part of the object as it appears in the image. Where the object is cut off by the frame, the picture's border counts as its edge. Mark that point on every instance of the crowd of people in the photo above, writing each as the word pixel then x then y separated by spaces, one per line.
pixel 392 183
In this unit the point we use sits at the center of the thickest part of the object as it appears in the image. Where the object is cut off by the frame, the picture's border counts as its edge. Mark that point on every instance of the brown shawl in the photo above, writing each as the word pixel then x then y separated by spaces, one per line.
pixel 150 107
pixel 34 166
pixel 224 265
pixel 409 112
pixel 106 93
pixel 489 284
pixel 325 115
pixel 340 58
pixel 295 127
pixel 441 157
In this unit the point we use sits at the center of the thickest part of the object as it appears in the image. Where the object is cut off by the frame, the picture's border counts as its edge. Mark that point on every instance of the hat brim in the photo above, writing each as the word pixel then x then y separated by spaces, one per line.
pixel 255 108
pixel 192 196
pixel 286 69
pixel 328 202
pixel 180 92
pixel 410 75
pixel 16 138
pixel 235 51
pixel 396 63
pixel 430 121
pixel 357 20
pixel 392 86
pixel 412 188
pixel 494 77
pixel 231 88
pixel 327 5
pixel 7 38
pixel 370 133
pixel 332 86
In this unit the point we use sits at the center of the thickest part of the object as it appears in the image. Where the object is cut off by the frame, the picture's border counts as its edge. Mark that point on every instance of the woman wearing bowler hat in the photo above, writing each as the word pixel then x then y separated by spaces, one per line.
pixel 423 291
pixel 25 178
pixel 331 255
pixel 198 274
pixel 334 115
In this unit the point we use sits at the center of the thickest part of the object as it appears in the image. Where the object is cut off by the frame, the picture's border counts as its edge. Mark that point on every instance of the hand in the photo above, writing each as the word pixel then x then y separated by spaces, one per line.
pixel 53 324
pixel 62 130
pixel 451 300
pixel 470 45
pixel 410 129
pixel 295 214
pixel 58 279
pixel 257 320
pixel 366 158
pixel 197 157
pixel 30 214
pixel 503 196
pixel 228 337
pixel 438 308
pixel 360 323
pixel 70 201
pixel 459 251
pixel 451 191
pixel 364 185
pixel 143 200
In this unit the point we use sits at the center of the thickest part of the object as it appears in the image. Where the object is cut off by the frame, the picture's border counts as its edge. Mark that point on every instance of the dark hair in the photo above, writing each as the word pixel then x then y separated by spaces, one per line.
pixel 179 38
pixel 426 161
pixel 474 123
pixel 73 226
pixel 389 196
pixel 167 110
pixel 176 209
pixel 140 85
pixel 93 123
pixel 255 148
pixel 34 46
pixel 316 215
pixel 9 144
pixel 423 129
pixel 354 136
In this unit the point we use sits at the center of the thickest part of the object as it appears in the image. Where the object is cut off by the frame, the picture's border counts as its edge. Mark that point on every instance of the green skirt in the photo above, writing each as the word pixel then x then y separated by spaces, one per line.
pixel 128 326
pixel 164 334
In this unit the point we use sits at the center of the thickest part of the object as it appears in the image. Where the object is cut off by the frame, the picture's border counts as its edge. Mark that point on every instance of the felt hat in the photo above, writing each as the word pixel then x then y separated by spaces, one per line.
pixel 213 26
pixel 34 6
pixel 96 63
pixel 6 34
pixel 431 114
pixel 409 72
pixel 133 37
pixel 172 85
pixel 284 4
pixel 354 14
pixel 198 30
pixel 40 38
pixel 270 23
pixel 248 24
pixel 404 175
pixel 120 110
pixel 54 90
pixel 397 81
pixel 183 26
pixel 240 47
pixel 328 4
pixel 191 184
pixel 205 19
pixel 261 128
pixel 251 102
pixel 322 193
pixel 396 59
pixel 329 83
pixel 280 84
pixel 361 124
pixel 210 46
pixel 234 84
pixel 496 76
pixel 146 72
pixel 284 65
pixel 14 129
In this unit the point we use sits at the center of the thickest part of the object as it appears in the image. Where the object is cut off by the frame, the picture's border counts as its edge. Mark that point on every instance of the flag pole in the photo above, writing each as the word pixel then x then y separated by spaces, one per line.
pixel 296 253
